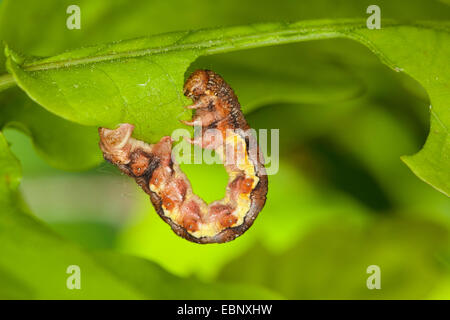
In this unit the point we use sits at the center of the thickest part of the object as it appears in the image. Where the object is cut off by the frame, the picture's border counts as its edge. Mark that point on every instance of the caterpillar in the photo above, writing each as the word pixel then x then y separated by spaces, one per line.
pixel 151 165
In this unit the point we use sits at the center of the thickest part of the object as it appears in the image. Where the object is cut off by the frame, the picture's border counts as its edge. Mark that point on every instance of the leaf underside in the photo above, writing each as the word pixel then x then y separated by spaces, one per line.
pixel 140 81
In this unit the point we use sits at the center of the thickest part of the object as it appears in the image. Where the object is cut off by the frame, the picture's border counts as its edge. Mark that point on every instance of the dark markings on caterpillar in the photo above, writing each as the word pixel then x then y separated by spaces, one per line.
pixel 216 106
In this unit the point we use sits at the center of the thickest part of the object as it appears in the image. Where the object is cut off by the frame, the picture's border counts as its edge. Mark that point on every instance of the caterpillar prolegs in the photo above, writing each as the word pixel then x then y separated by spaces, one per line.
pixel 216 110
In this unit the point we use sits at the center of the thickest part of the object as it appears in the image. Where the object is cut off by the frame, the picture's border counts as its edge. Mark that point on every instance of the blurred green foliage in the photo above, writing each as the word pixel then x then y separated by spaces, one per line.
pixel 341 201
pixel 34 260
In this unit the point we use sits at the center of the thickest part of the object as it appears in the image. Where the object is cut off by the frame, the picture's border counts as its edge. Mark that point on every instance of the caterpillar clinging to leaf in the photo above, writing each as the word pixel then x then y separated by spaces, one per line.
pixel 216 108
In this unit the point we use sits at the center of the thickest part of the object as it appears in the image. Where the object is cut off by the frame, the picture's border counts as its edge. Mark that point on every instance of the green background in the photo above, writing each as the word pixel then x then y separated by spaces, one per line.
pixel 341 201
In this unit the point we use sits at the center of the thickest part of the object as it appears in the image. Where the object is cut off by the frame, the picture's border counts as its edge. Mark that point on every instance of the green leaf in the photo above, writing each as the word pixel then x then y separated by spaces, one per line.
pixel 259 83
pixel 422 52
pixel 140 81
pixel 377 125
pixel 63 144
pixel 34 260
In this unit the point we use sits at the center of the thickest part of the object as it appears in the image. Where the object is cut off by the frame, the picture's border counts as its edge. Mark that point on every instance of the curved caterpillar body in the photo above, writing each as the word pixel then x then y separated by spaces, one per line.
pixel 216 107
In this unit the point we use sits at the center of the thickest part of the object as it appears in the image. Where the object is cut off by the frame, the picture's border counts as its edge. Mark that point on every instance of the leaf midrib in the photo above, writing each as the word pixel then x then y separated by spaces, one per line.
pixel 209 47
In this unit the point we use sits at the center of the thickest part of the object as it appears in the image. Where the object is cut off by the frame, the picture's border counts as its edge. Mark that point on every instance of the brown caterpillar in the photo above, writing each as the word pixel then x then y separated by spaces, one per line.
pixel 216 107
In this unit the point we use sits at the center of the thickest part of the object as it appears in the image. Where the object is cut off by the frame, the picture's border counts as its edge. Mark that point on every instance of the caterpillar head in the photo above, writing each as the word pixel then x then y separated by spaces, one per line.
pixel 196 84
